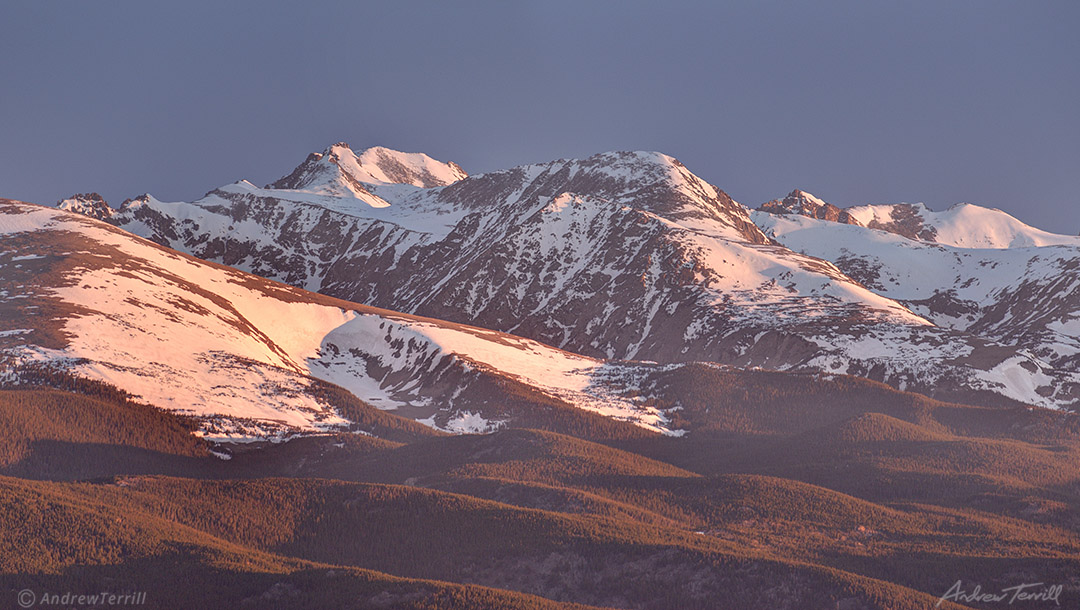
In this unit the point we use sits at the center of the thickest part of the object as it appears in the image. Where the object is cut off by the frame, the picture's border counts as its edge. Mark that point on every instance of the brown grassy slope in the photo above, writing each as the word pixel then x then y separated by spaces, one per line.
pixel 994 493
pixel 431 534
pixel 775 423
pixel 92 430
pixel 517 454
pixel 752 403
pixel 523 406
pixel 796 520
pixel 783 516
pixel 787 519
pixel 881 459
pixel 554 498
pixel 53 434
pixel 56 539
pixel 848 433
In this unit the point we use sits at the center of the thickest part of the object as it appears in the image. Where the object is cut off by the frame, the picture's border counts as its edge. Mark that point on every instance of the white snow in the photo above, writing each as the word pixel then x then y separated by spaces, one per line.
pixel 371 166
pixel 914 270
pixel 221 455
pixel 470 423
pixel 340 172
pixel 965 225
pixel 27 220
pixel 812 199
pixel 767 278
pixel 421 347
pixel 911 270
pixel 407 206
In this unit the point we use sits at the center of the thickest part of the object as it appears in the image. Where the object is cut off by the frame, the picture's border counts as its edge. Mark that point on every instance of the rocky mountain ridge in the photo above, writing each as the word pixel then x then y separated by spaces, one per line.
pixel 610 257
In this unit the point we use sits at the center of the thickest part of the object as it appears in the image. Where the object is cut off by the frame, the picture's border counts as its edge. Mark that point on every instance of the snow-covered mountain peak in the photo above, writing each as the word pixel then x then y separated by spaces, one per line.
pixel 963 225
pixel 650 182
pixel 389 166
pixel 640 166
pixel 87 204
pixel 340 171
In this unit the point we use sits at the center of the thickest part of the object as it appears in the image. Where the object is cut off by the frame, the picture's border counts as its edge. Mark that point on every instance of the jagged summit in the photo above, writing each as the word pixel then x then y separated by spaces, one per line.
pixel 803 203
pixel 135 202
pixel 339 170
pixel 87 204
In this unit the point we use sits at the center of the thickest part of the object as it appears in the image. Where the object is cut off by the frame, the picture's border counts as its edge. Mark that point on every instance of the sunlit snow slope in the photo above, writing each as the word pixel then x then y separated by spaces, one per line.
pixel 243 354
pixel 963 225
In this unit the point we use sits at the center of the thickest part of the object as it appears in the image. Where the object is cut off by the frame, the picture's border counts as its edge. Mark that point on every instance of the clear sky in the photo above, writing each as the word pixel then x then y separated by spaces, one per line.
pixel 857 102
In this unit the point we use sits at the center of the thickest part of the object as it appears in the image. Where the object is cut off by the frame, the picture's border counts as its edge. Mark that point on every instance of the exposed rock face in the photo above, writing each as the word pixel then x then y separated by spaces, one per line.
pixel 611 256
pixel 1019 297
pixel 805 204
pixel 87 204
pixel 907 220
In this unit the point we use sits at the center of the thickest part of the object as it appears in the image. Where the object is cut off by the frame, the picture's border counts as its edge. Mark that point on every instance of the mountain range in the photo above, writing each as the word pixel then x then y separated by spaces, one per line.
pixel 611 256
pixel 555 380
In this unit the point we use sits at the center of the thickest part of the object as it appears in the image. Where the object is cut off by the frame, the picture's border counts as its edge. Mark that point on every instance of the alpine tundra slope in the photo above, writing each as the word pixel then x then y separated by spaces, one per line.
pixel 244 355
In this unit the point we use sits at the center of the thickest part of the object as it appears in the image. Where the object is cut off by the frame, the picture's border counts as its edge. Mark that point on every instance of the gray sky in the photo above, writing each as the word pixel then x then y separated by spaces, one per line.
pixel 857 102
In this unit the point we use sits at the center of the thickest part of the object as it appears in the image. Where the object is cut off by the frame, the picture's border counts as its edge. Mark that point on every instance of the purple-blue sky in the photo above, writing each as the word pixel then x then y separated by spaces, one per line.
pixel 857 102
